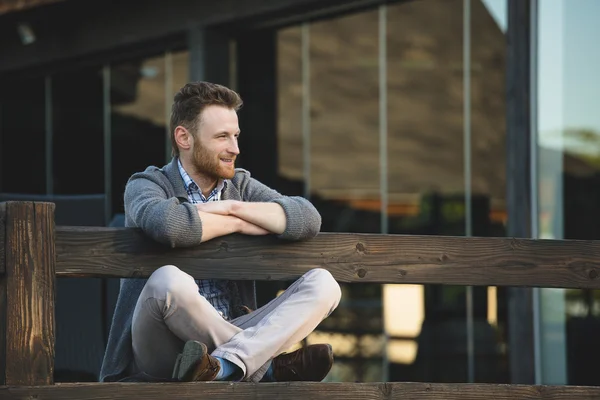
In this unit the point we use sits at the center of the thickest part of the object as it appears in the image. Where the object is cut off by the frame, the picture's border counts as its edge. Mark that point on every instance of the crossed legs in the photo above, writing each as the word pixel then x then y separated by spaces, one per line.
pixel 170 311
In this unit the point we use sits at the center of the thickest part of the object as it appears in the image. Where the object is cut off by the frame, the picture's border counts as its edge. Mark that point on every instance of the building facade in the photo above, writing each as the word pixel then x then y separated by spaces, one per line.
pixel 428 117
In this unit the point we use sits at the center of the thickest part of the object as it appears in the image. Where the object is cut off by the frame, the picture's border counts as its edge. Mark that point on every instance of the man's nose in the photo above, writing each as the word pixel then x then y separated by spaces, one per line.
pixel 234 148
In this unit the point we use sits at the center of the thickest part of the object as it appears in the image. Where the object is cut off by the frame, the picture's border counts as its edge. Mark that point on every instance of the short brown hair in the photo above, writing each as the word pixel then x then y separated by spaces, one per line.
pixel 192 99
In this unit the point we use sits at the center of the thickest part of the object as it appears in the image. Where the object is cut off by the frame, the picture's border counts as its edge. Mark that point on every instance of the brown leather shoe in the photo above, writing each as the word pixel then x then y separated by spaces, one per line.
pixel 195 364
pixel 311 363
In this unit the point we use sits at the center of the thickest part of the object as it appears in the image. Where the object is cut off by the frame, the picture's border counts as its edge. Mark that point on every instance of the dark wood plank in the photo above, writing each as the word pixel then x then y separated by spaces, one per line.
pixel 2 296
pixel 302 391
pixel 30 275
pixel 3 328
pixel 121 252
pixel 2 230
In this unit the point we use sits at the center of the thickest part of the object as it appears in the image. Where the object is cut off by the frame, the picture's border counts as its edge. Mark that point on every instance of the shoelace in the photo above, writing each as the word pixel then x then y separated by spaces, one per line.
pixel 293 363
pixel 213 364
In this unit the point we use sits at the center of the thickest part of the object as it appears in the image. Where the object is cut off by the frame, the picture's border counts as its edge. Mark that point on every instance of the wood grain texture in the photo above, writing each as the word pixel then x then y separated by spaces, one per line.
pixel 302 391
pixel 2 236
pixel 122 252
pixel 3 327
pixel 30 275
pixel 2 296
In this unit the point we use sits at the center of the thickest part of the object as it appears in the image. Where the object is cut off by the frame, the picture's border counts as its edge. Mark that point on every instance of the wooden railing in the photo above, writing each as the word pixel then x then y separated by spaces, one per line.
pixel 33 252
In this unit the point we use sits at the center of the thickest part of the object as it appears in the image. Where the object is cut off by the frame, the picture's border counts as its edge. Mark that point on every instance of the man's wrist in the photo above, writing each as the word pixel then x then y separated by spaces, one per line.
pixel 234 207
pixel 241 224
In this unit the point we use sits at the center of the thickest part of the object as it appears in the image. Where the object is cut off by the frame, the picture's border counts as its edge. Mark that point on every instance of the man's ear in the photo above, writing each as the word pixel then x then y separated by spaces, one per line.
pixel 183 138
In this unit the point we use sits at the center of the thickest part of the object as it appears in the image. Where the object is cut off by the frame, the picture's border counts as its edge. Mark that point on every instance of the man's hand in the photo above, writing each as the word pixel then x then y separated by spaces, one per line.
pixel 215 225
pixel 248 228
pixel 269 216
pixel 221 207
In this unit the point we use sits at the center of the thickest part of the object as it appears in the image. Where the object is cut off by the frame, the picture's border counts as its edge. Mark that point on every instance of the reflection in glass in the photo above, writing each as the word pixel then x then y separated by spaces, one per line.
pixel 426 128
pixel 426 179
pixel 344 171
pixel 340 72
pixel 568 178
pixel 22 136
pixel 178 74
pixel 488 175
pixel 425 324
pixel 138 120
pixel 289 104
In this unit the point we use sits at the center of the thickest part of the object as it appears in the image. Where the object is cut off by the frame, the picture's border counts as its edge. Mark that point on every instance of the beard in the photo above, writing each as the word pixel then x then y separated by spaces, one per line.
pixel 210 165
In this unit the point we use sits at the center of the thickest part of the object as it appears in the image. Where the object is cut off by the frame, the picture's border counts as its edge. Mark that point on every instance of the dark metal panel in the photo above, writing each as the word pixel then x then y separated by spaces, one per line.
pixel 209 55
pixel 518 177
pixel 257 77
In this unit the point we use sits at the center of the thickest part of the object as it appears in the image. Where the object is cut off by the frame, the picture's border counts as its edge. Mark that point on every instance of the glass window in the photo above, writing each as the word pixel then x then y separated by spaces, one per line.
pixel 138 120
pixel 487 110
pixel 344 174
pixel 426 181
pixel 178 63
pixel 429 118
pixel 328 138
pixel 344 121
pixel 290 100
pixel 568 178
pixel 329 121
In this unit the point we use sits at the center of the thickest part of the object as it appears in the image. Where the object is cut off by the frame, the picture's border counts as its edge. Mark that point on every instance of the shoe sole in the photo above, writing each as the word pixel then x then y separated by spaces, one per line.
pixel 186 362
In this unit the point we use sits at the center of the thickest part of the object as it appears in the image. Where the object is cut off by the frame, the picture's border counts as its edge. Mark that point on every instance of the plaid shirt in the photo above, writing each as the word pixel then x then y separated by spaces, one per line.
pixel 213 290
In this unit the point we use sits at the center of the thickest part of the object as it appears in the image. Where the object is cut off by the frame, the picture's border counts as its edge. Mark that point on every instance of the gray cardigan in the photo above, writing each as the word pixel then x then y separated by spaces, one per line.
pixel 156 202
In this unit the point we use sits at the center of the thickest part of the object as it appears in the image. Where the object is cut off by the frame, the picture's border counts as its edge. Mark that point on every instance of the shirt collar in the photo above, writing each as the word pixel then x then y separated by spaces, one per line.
pixel 190 185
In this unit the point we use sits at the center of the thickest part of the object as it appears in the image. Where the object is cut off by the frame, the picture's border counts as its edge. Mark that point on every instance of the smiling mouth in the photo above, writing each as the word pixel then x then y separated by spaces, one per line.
pixel 227 160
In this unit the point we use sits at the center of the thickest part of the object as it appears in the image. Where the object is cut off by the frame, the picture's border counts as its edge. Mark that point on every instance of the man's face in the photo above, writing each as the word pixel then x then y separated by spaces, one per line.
pixel 216 143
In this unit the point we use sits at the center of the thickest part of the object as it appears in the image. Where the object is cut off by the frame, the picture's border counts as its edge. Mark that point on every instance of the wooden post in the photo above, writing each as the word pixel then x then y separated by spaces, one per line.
pixel 29 282
pixel 2 295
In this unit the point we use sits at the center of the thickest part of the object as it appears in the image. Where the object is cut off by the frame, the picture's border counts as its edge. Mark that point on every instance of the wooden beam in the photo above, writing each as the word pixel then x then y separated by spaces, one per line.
pixel 2 295
pixel 2 236
pixel 298 390
pixel 122 252
pixel 30 276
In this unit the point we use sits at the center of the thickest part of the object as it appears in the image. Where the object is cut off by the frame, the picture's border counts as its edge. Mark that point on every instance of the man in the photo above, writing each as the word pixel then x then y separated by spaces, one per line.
pixel 171 327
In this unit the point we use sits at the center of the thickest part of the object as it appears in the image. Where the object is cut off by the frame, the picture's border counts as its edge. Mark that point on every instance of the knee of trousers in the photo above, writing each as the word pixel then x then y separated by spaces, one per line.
pixel 325 288
pixel 172 281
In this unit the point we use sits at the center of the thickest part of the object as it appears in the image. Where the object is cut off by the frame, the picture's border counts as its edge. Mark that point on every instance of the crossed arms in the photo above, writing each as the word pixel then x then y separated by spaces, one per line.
pixel 152 204
pixel 230 216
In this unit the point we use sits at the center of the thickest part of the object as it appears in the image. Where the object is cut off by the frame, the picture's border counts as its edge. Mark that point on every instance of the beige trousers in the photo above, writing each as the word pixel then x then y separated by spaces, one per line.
pixel 171 311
